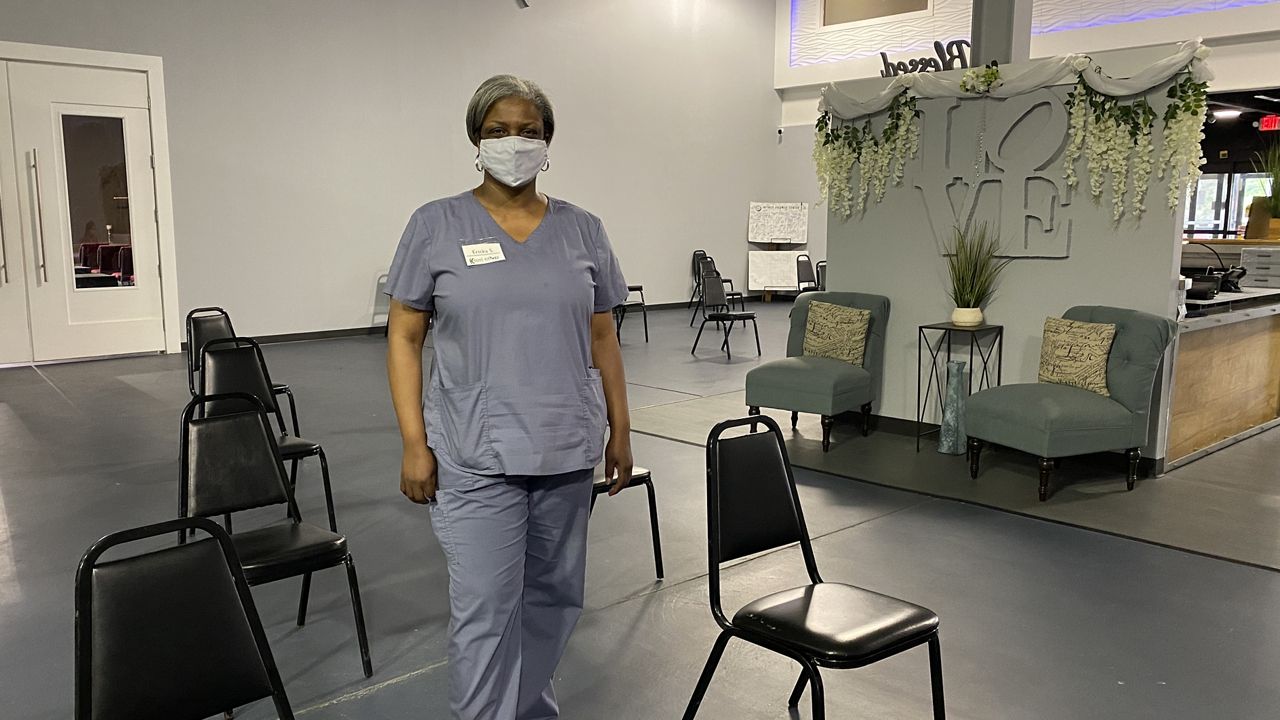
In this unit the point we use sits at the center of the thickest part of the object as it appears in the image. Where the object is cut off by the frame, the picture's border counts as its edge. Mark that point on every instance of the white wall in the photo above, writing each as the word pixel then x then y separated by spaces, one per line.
pixel 304 132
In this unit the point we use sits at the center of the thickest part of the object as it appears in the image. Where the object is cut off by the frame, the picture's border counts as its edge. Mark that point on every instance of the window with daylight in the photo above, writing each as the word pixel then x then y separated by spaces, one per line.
pixel 838 12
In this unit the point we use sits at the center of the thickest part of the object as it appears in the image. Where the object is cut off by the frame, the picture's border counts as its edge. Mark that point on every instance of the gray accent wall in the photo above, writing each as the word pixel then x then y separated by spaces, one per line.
pixel 893 249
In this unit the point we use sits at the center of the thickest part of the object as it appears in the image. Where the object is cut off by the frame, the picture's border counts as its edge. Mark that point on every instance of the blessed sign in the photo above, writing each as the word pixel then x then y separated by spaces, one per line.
pixel 954 55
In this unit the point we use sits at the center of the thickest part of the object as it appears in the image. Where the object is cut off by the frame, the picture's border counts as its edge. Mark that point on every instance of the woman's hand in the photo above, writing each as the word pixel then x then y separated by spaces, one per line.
pixel 418 475
pixel 617 457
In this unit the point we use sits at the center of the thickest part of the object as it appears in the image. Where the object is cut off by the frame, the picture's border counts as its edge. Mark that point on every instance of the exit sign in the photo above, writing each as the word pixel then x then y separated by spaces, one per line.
pixel 1269 123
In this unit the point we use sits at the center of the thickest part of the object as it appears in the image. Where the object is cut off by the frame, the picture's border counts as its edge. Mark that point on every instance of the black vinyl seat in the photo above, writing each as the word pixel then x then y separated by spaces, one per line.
pixel 639 477
pixel 752 507
pixel 236 365
pixel 203 325
pixel 715 308
pixel 841 624
pixel 171 634
pixel 229 463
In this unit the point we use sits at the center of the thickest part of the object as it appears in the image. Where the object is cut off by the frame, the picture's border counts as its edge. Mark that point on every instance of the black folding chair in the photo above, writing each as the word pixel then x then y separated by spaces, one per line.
pixel 639 476
pixel 707 264
pixel 752 506
pixel 620 312
pixel 171 634
pixel 697 278
pixel 230 463
pixel 715 308
pixel 805 278
pixel 205 324
pixel 821 267
pixel 236 365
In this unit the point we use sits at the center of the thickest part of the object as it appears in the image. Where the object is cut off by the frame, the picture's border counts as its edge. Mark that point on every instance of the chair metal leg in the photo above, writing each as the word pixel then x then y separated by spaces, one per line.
pixel 866 419
pixel 704 680
pixel 827 423
pixel 756 327
pixel 1046 474
pixel 701 327
pixel 359 611
pixel 975 452
pixel 328 490
pixel 935 678
pixel 302 599
pixel 644 314
pixel 753 411
pixel 795 419
pixel 1135 456
pixel 728 329
pixel 798 692
pixel 697 306
pixel 653 529
pixel 819 697
pixel 293 474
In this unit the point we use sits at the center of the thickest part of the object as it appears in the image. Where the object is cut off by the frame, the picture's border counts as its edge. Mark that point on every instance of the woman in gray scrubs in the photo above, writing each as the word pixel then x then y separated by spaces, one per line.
pixel 527 372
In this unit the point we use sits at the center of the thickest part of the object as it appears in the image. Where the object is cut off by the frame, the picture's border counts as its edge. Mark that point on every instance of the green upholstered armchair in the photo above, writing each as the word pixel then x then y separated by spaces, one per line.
pixel 1054 421
pixel 823 386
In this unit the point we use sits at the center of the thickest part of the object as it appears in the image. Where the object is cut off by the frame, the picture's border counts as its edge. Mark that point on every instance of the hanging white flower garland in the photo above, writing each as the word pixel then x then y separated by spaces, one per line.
pixel 1115 138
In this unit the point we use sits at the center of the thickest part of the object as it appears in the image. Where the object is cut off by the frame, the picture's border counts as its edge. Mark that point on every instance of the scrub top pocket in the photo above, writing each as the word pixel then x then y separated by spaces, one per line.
pixel 465 426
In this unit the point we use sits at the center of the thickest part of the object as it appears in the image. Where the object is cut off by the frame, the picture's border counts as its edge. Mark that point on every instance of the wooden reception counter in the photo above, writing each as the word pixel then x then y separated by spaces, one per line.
pixel 1226 374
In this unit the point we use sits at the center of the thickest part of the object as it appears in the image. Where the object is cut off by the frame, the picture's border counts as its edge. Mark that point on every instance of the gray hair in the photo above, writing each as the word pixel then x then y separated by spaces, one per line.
pixel 501 87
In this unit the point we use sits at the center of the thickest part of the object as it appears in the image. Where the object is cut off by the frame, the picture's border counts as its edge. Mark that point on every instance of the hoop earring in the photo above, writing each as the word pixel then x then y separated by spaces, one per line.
pixel 478 168
pixel 546 165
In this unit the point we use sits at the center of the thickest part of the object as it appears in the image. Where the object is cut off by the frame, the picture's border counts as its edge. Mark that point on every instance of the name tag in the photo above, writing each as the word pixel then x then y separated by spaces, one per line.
pixel 482 253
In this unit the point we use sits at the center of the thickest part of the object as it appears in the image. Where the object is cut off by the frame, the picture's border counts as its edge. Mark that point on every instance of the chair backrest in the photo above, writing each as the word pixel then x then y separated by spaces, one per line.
pixel 236 365
pixel 204 324
pixel 229 461
pixel 804 272
pixel 89 253
pixel 713 292
pixel 1139 346
pixel 822 274
pixel 752 504
pixel 108 258
pixel 873 358
pixel 126 261
pixel 171 633
pixel 697 265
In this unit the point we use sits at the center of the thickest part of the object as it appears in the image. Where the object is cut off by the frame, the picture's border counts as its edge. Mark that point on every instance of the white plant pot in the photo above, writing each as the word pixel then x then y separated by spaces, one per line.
pixel 966 317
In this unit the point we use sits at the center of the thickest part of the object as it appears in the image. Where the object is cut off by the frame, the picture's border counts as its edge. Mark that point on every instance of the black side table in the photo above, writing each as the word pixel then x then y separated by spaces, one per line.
pixel 994 351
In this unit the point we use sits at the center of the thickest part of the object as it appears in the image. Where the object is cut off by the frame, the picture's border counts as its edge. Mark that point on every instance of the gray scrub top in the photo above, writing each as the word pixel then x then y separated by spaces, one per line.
pixel 512 390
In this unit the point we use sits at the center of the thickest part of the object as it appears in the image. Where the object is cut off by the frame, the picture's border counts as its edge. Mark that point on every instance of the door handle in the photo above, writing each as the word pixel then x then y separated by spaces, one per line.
pixel 40 217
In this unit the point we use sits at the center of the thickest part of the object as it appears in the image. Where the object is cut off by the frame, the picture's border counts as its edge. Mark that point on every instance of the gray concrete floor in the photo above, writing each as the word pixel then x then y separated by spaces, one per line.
pixel 1039 620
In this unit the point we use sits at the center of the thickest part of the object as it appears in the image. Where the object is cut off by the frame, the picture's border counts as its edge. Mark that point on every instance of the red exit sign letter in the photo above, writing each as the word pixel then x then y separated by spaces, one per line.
pixel 1269 123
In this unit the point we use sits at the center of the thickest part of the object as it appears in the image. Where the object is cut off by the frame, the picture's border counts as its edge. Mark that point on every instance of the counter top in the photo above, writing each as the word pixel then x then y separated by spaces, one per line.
pixel 1225 298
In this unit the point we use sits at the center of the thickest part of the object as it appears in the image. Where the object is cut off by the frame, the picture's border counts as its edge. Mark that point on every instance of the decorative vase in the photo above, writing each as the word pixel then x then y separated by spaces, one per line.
pixel 966 317
pixel 952 439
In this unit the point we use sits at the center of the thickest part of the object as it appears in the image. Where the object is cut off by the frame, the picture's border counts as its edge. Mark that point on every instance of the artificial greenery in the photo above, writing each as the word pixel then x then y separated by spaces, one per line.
pixel 880 158
pixel 980 81
pixel 1267 162
pixel 972 264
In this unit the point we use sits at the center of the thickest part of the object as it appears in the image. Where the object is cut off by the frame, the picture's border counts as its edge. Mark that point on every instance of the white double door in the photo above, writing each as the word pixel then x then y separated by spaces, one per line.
pixel 76 176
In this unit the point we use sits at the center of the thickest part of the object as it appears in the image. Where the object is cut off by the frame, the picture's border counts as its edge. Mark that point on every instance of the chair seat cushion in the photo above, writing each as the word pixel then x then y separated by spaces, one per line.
pixel 731 316
pixel 292 446
pixel 1049 420
pixel 287 549
pixel 809 384
pixel 838 624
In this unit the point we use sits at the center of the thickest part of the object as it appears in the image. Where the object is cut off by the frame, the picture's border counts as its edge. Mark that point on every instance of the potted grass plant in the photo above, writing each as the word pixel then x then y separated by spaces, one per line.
pixel 1264 213
pixel 973 269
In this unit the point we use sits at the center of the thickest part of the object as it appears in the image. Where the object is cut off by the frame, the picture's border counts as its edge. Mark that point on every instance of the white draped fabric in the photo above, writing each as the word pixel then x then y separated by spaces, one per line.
pixel 1034 75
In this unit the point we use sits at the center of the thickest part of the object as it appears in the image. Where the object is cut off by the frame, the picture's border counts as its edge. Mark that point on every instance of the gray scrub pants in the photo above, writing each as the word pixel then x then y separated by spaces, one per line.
pixel 517 551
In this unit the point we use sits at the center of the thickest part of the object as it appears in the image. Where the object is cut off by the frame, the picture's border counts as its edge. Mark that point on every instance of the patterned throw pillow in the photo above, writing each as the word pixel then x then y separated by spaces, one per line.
pixel 1075 353
pixel 836 331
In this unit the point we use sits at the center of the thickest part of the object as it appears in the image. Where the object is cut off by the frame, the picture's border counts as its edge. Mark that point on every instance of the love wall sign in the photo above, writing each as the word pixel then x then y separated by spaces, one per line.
pixel 952 56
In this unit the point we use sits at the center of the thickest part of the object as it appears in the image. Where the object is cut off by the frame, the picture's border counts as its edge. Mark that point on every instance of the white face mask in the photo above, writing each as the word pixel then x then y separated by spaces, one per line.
pixel 513 161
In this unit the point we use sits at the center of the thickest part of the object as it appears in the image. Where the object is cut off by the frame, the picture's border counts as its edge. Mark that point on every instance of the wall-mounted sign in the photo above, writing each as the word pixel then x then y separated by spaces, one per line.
pixel 952 56
pixel 1269 123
